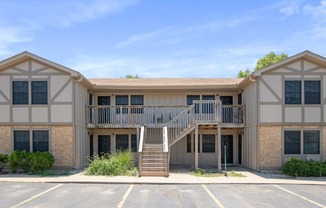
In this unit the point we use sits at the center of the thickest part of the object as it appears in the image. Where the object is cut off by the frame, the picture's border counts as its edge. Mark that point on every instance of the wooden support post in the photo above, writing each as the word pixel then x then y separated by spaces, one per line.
pixel 196 147
pixel 219 148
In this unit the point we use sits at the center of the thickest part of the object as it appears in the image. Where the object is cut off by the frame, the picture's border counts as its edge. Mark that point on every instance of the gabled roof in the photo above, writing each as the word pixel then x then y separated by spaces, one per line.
pixel 166 83
pixel 27 55
pixel 305 54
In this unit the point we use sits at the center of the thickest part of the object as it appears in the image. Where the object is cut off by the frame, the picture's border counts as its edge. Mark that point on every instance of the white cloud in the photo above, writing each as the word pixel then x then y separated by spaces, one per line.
pixel 141 37
pixel 77 12
pixel 11 35
pixel 318 15
pixel 290 10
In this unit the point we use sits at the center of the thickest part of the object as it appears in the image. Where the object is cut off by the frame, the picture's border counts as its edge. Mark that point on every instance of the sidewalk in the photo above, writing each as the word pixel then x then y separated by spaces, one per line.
pixel 174 178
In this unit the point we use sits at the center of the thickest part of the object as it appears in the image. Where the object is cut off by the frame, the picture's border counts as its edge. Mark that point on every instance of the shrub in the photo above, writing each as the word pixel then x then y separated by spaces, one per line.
pixel 3 160
pixel 40 161
pixel 19 159
pixel 30 162
pixel 119 163
pixel 296 167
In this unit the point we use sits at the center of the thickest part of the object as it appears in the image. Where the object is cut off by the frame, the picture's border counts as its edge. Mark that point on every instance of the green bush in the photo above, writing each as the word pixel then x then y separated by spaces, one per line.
pixel 40 161
pixel 119 163
pixel 3 160
pixel 296 167
pixel 30 162
pixel 19 159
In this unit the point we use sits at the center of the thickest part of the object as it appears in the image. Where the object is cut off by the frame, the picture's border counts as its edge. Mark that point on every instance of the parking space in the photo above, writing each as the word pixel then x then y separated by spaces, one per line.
pixel 115 195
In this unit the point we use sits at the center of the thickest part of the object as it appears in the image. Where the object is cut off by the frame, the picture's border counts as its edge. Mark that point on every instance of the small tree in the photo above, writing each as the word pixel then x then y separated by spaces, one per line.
pixel 129 76
pixel 267 60
pixel 243 74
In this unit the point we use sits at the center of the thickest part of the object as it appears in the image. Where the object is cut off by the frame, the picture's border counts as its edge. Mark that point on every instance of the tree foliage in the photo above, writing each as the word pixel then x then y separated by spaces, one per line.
pixel 243 74
pixel 129 76
pixel 267 60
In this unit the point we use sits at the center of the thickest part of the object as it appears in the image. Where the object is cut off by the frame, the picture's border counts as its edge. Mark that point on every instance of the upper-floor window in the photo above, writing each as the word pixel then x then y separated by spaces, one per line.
pixel 20 92
pixel 206 108
pixel 293 92
pixel 312 92
pixel 136 100
pixel 39 92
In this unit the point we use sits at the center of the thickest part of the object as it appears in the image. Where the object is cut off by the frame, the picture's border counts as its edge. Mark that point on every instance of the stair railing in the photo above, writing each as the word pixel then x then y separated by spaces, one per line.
pixel 140 148
pixel 180 125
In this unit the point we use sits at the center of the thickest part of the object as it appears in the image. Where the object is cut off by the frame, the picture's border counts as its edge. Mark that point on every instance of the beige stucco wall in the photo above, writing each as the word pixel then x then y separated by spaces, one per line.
pixel 5 139
pixel 270 147
pixel 62 146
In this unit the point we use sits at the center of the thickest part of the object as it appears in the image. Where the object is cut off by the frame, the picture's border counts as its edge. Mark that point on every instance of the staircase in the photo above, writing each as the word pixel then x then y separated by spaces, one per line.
pixel 154 158
pixel 153 161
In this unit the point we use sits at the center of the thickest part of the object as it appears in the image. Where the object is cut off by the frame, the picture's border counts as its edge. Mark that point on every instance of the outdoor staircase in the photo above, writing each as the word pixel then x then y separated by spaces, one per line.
pixel 153 161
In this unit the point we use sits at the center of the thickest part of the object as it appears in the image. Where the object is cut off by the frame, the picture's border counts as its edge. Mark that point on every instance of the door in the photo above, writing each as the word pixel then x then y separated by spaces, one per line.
pixel 227 140
pixel 103 112
pixel 227 110
pixel 240 149
pixel 91 146
pixel 104 144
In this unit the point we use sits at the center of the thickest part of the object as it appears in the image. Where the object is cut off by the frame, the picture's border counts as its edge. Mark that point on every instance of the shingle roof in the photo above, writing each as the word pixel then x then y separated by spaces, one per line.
pixel 157 82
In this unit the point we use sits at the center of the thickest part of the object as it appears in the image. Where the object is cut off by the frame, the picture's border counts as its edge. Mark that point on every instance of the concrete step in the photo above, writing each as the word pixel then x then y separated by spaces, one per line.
pixel 158 173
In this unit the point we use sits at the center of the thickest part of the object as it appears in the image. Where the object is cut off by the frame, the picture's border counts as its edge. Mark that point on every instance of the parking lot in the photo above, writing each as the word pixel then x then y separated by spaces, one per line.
pixel 115 195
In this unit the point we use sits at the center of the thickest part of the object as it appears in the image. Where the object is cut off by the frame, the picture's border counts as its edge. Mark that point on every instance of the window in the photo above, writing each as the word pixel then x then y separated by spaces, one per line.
pixel 21 140
pixel 291 142
pixel 122 100
pixel 40 141
pixel 134 143
pixel 208 143
pixel 311 142
pixel 103 100
pixel 137 100
pixel 39 92
pixel 292 92
pixel 312 92
pixel 189 143
pixel 122 142
pixel 104 144
pixel 20 92
pixel 207 108
pixel 191 98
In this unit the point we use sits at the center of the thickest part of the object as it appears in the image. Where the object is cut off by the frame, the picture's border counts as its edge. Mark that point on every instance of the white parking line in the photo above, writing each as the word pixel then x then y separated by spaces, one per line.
pixel 218 203
pixel 125 196
pixel 302 197
pixel 35 196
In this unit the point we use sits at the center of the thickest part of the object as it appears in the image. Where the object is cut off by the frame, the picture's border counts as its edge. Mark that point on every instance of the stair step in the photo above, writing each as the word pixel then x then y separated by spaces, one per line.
pixel 153 165
pixel 150 173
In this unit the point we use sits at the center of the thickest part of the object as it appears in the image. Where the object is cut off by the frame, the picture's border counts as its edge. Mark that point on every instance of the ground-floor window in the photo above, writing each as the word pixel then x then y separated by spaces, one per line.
pixel 133 143
pixel 189 143
pixel 40 140
pixel 104 144
pixel 122 142
pixel 208 143
pixel 295 139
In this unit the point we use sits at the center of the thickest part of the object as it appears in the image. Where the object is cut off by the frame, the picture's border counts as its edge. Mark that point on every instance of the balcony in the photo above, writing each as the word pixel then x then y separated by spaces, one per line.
pixel 204 112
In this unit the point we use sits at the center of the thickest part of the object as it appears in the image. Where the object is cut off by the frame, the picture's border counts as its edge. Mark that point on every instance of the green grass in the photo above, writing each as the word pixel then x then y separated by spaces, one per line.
pixel 205 173
pixel 118 163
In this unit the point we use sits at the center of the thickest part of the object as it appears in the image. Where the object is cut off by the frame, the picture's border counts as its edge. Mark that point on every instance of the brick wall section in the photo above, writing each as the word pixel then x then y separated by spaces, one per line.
pixel 62 146
pixel 5 139
pixel 270 149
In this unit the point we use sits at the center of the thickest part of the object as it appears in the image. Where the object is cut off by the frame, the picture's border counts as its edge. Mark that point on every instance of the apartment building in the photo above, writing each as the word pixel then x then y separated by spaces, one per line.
pixel 258 122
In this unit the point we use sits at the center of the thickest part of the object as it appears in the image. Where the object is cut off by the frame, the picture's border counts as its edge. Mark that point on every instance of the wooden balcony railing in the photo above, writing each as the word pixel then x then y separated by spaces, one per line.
pixel 100 116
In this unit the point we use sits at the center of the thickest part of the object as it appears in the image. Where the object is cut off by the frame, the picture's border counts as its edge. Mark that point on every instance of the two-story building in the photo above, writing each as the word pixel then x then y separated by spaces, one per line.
pixel 258 122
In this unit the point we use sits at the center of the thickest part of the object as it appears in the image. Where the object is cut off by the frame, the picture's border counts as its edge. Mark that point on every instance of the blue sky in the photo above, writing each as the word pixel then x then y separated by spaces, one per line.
pixel 170 38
